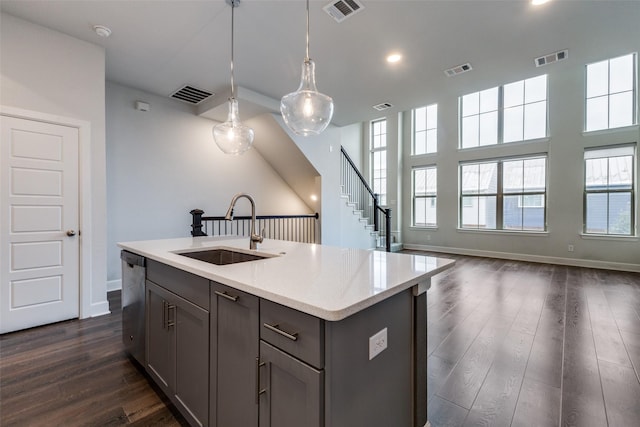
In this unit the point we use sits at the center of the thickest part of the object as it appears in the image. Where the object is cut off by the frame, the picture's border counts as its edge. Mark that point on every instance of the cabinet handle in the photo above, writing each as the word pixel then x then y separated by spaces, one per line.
pixel 171 322
pixel 164 314
pixel 258 391
pixel 277 330
pixel 226 295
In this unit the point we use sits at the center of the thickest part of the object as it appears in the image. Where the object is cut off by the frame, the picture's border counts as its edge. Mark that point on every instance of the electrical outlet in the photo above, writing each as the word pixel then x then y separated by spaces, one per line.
pixel 570 248
pixel 377 343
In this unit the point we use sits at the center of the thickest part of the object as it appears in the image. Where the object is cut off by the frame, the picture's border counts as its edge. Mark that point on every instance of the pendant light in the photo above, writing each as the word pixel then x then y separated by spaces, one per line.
pixel 233 137
pixel 307 111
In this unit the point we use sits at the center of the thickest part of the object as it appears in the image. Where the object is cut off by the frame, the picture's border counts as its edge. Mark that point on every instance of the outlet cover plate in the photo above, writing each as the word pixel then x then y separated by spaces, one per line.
pixel 377 343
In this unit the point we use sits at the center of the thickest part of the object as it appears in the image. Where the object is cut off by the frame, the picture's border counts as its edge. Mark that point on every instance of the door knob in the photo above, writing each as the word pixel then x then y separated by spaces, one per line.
pixel 71 233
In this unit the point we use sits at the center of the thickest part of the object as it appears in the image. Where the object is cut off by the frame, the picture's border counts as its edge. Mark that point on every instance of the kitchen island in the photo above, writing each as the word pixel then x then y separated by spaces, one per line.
pixel 308 335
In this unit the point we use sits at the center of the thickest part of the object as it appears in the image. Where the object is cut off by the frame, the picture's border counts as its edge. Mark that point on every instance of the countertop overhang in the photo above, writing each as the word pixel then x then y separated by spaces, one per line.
pixel 328 282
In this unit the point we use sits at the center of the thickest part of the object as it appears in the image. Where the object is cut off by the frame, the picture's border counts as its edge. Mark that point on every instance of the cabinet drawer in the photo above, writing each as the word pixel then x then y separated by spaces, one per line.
pixel 299 334
pixel 189 286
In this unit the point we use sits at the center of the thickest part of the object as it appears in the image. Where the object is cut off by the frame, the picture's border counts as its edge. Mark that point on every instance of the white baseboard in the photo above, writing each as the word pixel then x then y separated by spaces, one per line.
pixel 575 262
pixel 114 285
pixel 100 309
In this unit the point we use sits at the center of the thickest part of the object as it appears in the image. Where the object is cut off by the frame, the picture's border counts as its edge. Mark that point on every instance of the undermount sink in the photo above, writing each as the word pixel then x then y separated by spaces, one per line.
pixel 223 256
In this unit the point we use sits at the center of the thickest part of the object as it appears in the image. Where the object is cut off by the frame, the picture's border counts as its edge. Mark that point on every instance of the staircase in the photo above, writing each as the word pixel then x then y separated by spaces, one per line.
pixel 359 197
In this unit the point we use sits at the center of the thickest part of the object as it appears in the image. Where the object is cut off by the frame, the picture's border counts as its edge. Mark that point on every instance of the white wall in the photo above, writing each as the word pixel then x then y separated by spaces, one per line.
pixel 163 163
pixel 48 72
pixel 565 148
pixel 351 137
pixel 323 151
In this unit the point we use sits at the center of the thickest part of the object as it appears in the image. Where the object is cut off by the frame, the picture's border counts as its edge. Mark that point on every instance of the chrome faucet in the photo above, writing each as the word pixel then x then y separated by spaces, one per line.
pixel 255 237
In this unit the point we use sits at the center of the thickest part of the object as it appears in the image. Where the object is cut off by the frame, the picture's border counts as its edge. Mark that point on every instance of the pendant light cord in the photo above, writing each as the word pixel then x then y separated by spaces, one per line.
pixel 307 58
pixel 233 6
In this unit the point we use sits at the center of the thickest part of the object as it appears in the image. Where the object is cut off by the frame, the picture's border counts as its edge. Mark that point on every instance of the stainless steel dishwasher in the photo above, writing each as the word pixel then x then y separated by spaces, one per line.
pixel 133 305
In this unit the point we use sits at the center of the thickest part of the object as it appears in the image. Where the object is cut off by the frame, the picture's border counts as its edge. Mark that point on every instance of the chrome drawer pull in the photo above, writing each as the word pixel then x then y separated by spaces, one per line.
pixel 171 322
pixel 276 329
pixel 226 295
pixel 259 364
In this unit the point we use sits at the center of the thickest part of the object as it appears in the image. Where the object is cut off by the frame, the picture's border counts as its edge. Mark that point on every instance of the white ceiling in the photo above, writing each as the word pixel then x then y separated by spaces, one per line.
pixel 160 45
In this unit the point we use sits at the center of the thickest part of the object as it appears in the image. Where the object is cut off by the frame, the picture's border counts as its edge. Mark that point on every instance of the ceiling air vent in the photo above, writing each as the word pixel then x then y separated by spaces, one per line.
pixel 191 95
pixel 342 9
pixel 383 106
pixel 458 69
pixel 552 57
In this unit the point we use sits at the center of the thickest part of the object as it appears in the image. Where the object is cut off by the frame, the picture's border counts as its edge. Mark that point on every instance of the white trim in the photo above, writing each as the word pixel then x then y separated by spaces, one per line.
pixel 100 309
pixel 621 129
pixel 530 233
pixel 114 285
pixel 612 237
pixel 87 308
pixel 575 262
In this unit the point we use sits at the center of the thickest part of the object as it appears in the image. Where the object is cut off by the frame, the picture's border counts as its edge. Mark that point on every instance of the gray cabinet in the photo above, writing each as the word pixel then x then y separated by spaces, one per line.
pixel 226 358
pixel 291 392
pixel 178 348
pixel 234 353
pixel 291 370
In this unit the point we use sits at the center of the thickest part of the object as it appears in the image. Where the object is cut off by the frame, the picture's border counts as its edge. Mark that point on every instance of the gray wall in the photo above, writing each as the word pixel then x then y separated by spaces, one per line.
pixel 163 163
pixel 565 148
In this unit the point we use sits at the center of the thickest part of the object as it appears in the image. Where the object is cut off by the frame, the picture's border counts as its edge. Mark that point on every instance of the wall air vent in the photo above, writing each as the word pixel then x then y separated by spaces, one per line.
pixel 191 95
pixel 552 57
pixel 458 69
pixel 343 9
pixel 383 106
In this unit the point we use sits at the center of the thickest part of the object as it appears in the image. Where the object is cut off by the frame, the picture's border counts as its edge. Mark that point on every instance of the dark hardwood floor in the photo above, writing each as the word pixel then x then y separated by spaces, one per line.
pixel 510 343
pixel 75 373
pixel 525 344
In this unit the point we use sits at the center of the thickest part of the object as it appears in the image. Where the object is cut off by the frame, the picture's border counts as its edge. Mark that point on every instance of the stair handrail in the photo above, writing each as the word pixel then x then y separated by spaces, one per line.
pixel 357 171
pixel 376 204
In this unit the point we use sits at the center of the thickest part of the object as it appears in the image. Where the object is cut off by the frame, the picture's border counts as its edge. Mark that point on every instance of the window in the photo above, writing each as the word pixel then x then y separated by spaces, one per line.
pixel 480 118
pixel 379 159
pixel 520 108
pixel 523 187
pixel 525 109
pixel 425 183
pixel 611 93
pixel 425 130
pixel 506 194
pixel 608 190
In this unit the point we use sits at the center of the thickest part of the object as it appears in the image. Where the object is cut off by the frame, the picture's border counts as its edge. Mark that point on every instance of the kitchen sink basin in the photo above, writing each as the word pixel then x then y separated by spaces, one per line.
pixel 222 256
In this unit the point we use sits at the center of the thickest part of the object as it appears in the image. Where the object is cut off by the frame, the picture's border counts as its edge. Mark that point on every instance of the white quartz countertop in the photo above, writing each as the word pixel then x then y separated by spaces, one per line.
pixel 328 282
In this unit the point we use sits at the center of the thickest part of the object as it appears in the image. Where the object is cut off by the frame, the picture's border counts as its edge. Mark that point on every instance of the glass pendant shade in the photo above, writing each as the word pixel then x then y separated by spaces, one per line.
pixel 307 111
pixel 232 136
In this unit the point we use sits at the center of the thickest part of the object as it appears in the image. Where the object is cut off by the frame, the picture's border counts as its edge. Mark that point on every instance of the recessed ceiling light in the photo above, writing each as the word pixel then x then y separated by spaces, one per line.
pixel 102 31
pixel 314 197
pixel 393 58
pixel 539 2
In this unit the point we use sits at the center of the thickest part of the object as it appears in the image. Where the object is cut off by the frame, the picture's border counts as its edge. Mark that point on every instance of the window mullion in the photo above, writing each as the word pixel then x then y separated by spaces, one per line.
pixel 500 130
pixel 499 199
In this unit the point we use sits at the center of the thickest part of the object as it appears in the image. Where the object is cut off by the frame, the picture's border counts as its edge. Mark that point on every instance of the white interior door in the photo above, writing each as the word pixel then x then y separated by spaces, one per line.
pixel 39 236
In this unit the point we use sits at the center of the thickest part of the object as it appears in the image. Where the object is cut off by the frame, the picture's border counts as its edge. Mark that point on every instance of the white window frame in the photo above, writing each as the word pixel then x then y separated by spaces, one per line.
pixel 609 94
pixel 432 197
pixel 382 147
pixel 431 128
pixel 498 132
pixel 500 194
pixel 610 153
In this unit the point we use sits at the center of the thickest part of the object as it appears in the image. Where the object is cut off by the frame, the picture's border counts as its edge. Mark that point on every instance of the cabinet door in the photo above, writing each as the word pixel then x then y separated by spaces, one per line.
pixel 293 393
pixel 178 351
pixel 159 346
pixel 234 352
pixel 191 324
